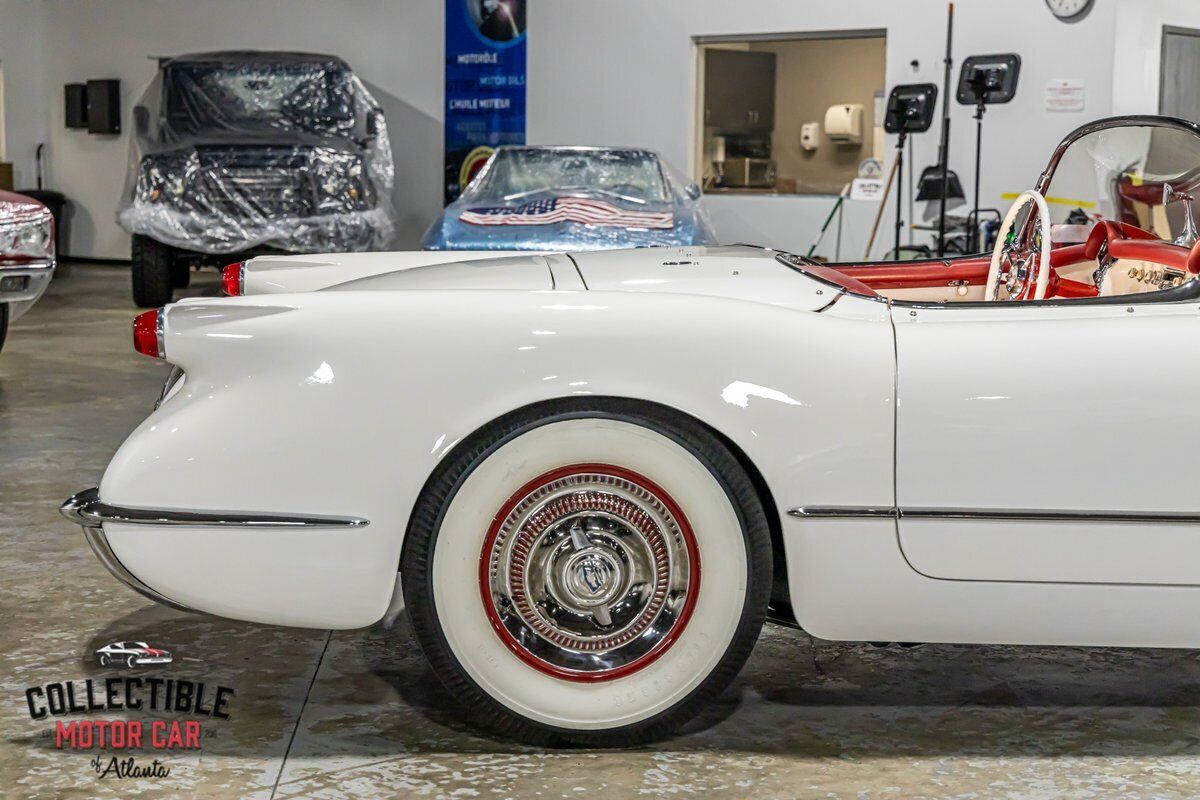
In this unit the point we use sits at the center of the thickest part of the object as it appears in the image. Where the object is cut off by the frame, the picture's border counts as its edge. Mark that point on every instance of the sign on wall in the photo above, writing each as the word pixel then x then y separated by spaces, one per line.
pixel 1064 94
pixel 485 84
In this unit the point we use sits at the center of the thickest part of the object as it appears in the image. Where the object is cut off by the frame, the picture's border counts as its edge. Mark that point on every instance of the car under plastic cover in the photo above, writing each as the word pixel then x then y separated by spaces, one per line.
pixel 241 150
pixel 573 198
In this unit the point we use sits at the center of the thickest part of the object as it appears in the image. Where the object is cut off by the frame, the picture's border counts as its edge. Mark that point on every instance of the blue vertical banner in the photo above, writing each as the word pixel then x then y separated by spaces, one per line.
pixel 485 84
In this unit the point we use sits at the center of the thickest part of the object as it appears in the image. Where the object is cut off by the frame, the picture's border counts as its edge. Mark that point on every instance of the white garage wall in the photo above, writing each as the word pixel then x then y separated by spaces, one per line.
pixel 612 72
pixel 22 57
pixel 622 72
pixel 1138 54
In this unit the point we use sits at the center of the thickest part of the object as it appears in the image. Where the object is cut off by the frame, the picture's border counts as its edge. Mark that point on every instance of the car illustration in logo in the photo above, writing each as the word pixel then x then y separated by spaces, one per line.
pixel 132 654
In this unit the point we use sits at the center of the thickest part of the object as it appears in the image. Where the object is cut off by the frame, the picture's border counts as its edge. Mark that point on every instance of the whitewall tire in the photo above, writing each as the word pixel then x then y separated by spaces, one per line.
pixel 588 574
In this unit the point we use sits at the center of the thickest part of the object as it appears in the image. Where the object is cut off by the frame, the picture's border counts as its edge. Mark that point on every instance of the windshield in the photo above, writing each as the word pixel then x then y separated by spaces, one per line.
pixel 1120 174
pixel 202 98
pixel 633 176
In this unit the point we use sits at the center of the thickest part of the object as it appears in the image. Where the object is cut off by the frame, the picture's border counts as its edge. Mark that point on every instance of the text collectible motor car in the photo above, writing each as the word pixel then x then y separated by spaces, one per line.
pixel 252 151
pixel 572 198
pixel 592 472
pixel 26 255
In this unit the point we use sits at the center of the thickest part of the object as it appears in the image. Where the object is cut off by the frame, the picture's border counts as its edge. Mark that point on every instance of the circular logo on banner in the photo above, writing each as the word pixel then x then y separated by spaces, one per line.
pixel 472 164
pixel 498 20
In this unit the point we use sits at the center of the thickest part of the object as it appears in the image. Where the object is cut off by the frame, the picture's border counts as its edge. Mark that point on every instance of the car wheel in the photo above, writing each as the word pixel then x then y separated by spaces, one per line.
pixel 151 271
pixel 3 323
pixel 104 659
pixel 588 575
pixel 131 661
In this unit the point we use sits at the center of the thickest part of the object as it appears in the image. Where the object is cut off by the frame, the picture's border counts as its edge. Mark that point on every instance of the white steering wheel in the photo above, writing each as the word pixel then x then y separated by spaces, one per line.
pixel 1020 267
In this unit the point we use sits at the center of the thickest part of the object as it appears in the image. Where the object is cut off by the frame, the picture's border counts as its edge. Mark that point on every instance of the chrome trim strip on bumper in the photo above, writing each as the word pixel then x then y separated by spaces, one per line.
pixel 40 265
pixel 87 510
pixel 99 544
pixel 1014 515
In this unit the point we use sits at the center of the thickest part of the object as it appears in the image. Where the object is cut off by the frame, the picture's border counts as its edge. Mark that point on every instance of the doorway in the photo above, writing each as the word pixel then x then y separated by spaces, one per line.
pixel 1179 92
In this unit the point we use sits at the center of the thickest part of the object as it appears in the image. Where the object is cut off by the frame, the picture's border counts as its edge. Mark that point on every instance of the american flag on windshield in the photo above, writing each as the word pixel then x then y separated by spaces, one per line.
pixel 568 209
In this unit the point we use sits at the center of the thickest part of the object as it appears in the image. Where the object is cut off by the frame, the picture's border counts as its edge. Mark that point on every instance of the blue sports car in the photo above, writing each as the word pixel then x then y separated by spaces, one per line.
pixel 572 198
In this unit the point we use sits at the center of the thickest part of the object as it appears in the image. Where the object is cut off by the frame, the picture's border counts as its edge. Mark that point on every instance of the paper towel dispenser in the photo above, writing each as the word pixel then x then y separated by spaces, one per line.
pixel 844 123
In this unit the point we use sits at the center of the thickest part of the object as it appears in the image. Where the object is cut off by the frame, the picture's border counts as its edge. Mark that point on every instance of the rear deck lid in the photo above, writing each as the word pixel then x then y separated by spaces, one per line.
pixel 511 273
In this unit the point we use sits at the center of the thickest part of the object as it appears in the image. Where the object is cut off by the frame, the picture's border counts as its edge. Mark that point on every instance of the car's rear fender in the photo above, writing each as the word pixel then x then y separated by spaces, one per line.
pixel 342 403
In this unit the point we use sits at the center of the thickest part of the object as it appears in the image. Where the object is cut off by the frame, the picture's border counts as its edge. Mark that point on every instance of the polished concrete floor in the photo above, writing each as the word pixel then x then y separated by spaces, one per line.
pixel 358 714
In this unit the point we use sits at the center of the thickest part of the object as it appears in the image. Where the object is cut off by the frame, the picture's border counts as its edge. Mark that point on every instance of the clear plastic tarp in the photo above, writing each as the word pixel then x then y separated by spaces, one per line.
pixel 244 149
pixel 572 198
pixel 26 229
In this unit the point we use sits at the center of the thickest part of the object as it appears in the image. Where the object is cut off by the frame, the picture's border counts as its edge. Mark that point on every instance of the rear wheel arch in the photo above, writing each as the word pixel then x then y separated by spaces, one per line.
pixel 616 407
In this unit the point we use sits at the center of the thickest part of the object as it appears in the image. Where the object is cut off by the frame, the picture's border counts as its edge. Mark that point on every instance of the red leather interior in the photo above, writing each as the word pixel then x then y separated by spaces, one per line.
pixel 921 274
pixel 1124 241
pixel 1065 287
pixel 841 279
pixel 1151 192
pixel 1193 259
pixel 1101 233
pixel 1159 252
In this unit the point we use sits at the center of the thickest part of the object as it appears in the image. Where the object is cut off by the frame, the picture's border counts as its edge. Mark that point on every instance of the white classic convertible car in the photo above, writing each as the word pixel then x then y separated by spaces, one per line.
pixel 594 473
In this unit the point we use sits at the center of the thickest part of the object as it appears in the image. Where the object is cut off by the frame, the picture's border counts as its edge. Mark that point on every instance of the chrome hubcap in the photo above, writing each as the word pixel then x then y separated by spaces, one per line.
pixel 589 572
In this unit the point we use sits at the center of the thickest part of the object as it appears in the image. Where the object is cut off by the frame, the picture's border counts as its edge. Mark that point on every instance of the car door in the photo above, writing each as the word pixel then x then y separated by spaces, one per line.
pixel 1051 441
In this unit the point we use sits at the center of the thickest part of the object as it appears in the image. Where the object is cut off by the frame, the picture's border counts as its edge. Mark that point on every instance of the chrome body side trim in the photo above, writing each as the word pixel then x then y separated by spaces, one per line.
pixel 87 510
pixel 835 512
pixel 1049 515
pixel 997 514
pixel 829 305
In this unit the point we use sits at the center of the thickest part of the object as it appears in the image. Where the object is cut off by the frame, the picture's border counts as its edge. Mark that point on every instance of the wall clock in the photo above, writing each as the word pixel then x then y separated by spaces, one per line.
pixel 1069 9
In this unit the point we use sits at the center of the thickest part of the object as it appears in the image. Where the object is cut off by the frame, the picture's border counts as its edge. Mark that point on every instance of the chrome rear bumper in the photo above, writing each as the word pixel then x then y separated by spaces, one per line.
pixel 84 509
pixel 87 510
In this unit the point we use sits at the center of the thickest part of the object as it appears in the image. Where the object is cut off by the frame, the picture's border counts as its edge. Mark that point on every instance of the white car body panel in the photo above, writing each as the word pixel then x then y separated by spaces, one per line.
pixel 342 402
pixel 1054 407
pixel 283 274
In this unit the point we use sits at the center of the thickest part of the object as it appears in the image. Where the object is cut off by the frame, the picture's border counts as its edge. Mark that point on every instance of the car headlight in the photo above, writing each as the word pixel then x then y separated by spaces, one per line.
pixel 339 180
pixel 162 179
pixel 26 231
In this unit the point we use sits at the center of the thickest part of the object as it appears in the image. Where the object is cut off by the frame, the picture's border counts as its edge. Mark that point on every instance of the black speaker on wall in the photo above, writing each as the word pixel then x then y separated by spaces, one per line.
pixel 76 108
pixel 104 106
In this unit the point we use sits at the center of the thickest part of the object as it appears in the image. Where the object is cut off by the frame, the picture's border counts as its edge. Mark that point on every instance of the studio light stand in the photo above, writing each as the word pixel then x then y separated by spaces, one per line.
pixel 985 80
pixel 910 109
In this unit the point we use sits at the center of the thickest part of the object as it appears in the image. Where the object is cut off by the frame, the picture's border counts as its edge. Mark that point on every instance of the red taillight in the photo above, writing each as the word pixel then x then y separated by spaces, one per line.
pixel 231 278
pixel 148 333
